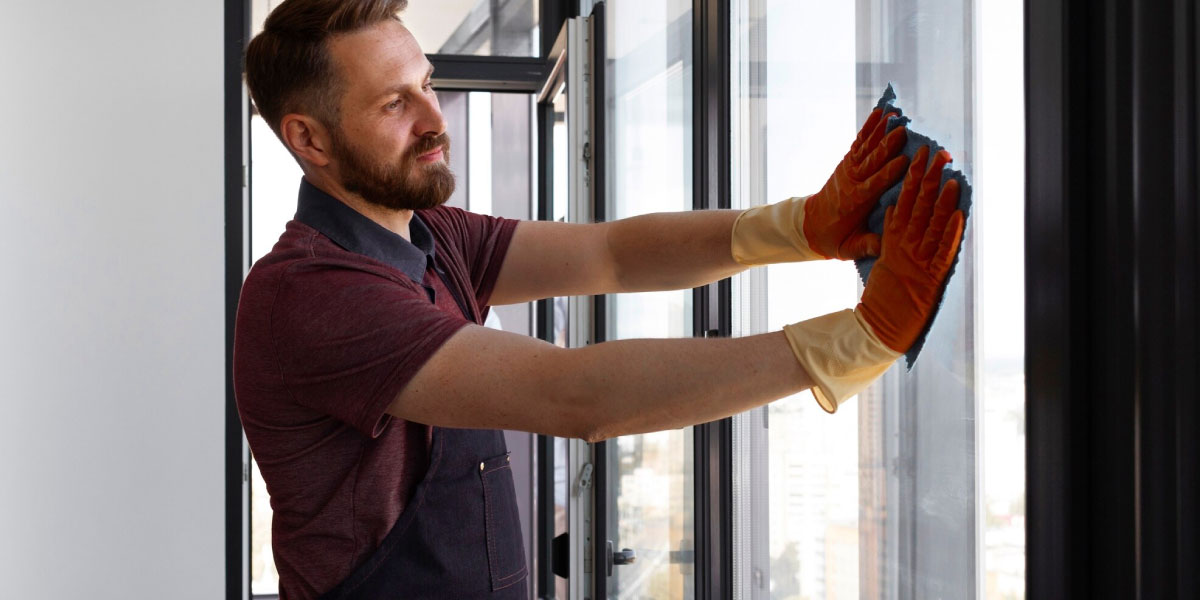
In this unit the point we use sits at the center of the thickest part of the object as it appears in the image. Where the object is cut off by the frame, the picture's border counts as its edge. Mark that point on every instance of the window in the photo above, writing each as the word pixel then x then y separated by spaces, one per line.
pixel 916 488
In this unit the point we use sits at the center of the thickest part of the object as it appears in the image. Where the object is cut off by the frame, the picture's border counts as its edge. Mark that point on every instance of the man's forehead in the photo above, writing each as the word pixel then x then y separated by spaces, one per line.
pixel 381 55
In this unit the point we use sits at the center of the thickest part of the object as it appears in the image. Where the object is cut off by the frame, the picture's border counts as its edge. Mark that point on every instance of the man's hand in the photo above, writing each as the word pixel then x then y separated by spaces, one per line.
pixel 835 218
pixel 844 352
pixel 832 222
pixel 921 235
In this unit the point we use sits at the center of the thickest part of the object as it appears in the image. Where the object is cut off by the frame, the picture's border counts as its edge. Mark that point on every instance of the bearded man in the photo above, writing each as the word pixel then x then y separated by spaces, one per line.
pixel 373 399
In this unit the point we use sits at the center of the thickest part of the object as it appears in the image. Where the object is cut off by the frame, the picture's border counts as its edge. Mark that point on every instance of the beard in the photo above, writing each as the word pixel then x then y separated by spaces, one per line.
pixel 404 184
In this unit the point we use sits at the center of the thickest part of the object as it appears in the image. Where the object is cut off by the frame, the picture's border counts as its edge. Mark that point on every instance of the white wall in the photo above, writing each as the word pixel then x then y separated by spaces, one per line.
pixel 111 300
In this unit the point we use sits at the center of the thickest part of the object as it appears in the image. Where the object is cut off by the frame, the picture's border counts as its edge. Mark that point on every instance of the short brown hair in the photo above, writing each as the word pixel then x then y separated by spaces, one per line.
pixel 288 67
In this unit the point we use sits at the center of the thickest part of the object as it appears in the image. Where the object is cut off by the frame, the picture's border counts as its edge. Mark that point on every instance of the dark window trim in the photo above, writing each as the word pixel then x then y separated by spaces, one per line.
pixel 543 572
pixel 236 103
pixel 599 148
pixel 603 494
pixel 712 316
pixel 488 73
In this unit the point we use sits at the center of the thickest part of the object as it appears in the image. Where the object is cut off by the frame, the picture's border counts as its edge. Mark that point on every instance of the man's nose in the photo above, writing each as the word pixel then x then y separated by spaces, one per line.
pixel 431 122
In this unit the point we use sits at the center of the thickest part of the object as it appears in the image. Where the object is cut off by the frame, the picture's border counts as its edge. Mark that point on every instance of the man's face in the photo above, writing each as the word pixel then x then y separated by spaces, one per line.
pixel 390 146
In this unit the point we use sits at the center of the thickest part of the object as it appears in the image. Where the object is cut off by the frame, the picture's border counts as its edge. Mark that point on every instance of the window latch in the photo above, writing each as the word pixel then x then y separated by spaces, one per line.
pixel 585 479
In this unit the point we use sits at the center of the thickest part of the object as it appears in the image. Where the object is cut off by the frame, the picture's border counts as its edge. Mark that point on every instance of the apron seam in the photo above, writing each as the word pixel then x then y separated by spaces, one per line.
pixel 518 577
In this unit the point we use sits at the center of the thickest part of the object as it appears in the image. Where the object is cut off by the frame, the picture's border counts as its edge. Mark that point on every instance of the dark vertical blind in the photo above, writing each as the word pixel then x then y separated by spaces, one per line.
pixel 1111 273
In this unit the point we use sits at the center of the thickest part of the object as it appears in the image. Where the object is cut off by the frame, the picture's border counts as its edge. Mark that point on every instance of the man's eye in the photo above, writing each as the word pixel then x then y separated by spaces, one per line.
pixel 429 86
pixel 393 105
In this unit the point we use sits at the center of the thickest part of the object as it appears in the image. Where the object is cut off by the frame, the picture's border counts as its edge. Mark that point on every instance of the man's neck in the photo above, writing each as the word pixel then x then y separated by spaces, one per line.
pixel 396 221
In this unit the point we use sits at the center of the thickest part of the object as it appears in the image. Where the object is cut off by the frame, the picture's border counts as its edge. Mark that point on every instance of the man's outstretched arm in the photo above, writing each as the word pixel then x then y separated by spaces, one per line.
pixel 669 251
pixel 482 378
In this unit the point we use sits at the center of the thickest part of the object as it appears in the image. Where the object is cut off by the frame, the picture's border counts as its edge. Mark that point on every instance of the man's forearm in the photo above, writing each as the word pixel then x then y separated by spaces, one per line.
pixel 670 251
pixel 639 386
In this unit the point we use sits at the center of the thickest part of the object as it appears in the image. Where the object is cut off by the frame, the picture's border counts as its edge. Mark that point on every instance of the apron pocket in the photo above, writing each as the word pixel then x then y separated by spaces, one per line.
pixel 505 548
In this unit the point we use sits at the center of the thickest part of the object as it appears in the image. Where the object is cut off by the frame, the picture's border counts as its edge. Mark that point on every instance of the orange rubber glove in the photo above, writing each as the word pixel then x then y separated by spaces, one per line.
pixel 832 222
pixel 920 241
pixel 845 351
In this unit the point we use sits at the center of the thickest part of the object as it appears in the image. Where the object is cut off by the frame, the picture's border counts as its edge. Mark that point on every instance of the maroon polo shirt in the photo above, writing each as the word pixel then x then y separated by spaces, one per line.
pixel 331 325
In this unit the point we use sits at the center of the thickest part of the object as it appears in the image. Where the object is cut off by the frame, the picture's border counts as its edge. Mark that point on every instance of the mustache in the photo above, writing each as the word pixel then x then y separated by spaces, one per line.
pixel 429 144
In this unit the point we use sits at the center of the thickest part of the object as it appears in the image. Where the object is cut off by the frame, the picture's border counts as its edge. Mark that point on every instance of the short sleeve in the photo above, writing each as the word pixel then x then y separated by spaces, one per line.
pixel 349 340
pixel 482 241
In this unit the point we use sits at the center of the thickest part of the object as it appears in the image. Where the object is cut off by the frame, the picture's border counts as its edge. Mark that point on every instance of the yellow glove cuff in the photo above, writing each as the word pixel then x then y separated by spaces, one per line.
pixel 840 353
pixel 773 233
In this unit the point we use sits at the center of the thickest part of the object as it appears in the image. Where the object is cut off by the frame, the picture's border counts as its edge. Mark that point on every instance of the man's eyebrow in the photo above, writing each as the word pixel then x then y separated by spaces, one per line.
pixel 404 87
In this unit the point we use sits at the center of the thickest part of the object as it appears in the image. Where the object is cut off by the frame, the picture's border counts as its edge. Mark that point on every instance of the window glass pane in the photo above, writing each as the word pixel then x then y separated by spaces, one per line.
pixel 479 27
pixel 649 87
pixel 649 104
pixel 916 488
pixel 813 461
pixel 491 141
pixel 559 203
pixel 1000 235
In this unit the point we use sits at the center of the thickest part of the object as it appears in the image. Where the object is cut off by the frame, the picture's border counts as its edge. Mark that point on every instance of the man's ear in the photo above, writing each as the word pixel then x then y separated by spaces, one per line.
pixel 307 138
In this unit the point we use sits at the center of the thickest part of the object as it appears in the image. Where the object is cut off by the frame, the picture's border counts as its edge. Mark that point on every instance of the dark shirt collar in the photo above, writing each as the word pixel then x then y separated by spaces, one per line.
pixel 356 233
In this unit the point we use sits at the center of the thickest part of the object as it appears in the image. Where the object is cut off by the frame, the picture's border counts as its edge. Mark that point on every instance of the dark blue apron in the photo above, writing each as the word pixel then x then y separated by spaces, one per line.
pixel 458 537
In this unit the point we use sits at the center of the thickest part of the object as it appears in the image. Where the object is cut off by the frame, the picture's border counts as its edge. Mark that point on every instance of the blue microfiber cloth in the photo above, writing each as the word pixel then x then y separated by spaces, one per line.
pixel 896 119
